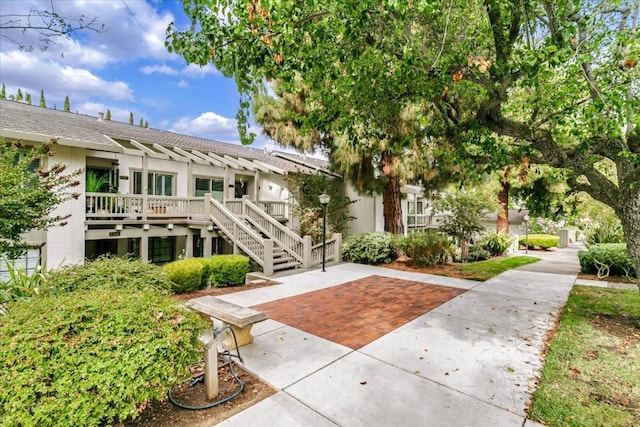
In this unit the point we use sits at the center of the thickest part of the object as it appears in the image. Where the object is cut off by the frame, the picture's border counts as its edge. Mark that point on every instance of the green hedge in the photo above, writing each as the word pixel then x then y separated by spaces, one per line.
pixel 228 270
pixel 611 256
pixel 543 241
pixel 92 357
pixel 425 248
pixel 370 248
pixel 185 274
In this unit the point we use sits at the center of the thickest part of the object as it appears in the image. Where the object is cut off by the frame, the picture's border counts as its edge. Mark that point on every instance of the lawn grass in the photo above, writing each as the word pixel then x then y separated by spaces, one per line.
pixel 591 375
pixel 485 270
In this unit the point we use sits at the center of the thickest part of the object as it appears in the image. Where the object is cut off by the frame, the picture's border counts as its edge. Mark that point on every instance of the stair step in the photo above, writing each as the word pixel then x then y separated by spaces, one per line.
pixel 278 267
pixel 282 260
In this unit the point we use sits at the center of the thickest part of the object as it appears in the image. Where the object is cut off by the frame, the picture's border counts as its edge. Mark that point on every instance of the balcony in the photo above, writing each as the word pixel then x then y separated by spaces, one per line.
pixel 109 206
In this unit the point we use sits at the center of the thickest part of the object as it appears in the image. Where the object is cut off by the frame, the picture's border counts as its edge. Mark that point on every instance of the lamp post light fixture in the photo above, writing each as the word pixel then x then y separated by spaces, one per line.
pixel 526 234
pixel 324 201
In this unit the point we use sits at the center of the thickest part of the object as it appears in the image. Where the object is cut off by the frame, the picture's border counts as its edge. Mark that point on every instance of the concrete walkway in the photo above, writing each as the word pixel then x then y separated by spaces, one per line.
pixel 471 361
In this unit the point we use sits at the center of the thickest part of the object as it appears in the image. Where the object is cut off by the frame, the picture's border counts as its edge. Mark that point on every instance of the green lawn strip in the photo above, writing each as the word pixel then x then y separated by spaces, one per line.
pixel 591 375
pixel 485 270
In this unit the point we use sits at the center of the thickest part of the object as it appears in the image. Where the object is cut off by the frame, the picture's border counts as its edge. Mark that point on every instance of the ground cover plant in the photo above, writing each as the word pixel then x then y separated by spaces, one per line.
pixel 590 377
pixel 606 259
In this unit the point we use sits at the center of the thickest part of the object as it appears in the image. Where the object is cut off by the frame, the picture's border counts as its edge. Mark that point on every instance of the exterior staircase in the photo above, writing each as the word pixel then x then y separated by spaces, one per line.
pixel 265 240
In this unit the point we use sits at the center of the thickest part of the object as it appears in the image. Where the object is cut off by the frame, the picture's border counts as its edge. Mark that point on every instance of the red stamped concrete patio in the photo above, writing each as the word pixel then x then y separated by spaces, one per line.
pixel 356 313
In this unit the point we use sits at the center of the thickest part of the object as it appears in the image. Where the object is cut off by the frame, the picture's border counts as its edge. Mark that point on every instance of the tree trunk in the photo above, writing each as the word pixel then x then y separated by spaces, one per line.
pixel 630 219
pixel 503 199
pixel 391 198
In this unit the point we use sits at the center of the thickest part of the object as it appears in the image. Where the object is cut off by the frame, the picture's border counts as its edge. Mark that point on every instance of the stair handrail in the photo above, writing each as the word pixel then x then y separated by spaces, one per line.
pixel 288 240
pixel 258 248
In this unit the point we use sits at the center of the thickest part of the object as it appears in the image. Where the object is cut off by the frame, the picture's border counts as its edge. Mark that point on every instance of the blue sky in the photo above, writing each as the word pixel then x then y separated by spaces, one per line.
pixel 126 69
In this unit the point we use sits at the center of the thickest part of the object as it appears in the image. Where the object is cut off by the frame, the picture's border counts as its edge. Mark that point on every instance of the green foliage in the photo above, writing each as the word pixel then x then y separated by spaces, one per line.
pixel 43 103
pixel 590 376
pixel 607 259
pixel 463 214
pixel 92 357
pixel 20 286
pixel 3 92
pixel 425 248
pixel 108 115
pixel 206 272
pixel 305 189
pixel 67 104
pixel 542 241
pixel 495 243
pixel 30 193
pixel 108 272
pixel 542 225
pixel 229 270
pixel 19 96
pixel 95 183
pixel 130 117
pixel 186 274
pixel 478 253
pixel 370 248
pixel 607 230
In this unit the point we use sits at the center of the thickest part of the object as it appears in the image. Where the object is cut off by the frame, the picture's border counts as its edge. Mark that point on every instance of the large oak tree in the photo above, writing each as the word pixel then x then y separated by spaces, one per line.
pixel 559 80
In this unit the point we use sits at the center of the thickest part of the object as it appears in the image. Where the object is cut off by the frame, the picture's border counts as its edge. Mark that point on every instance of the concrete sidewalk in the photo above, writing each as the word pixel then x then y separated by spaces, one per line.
pixel 471 361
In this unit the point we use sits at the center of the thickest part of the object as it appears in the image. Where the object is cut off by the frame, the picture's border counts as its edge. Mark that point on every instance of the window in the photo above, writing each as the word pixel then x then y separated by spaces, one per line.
pixel 162 249
pixel 29 261
pixel 158 184
pixel 215 186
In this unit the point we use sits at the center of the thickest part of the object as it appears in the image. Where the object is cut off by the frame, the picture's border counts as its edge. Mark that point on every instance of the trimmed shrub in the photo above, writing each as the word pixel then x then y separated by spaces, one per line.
pixel 425 248
pixel 185 274
pixel 92 357
pixel 228 270
pixel 543 241
pixel 606 259
pixel 495 243
pixel 206 272
pixel 370 248
pixel 114 272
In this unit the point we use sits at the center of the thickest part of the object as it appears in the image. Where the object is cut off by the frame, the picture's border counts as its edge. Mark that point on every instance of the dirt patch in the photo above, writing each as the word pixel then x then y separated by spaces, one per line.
pixel 226 290
pixel 165 413
pixel 615 279
pixel 449 269
pixel 626 328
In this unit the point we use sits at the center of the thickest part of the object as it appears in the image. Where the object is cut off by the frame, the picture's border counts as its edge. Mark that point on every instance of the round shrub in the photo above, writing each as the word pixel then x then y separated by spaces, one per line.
pixel 543 241
pixel 185 274
pixel 370 248
pixel 114 272
pixel 425 248
pixel 478 253
pixel 607 259
pixel 228 270
pixel 92 358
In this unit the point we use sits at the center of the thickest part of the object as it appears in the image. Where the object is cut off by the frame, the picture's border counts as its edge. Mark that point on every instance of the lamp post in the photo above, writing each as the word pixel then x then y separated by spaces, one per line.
pixel 324 201
pixel 526 234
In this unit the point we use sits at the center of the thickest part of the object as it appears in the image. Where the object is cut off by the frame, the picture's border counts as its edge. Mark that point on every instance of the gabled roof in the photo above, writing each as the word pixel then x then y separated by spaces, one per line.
pixel 34 123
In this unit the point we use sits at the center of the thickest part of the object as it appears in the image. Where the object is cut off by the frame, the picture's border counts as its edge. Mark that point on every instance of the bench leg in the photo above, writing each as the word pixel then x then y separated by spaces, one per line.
pixel 243 336
pixel 211 369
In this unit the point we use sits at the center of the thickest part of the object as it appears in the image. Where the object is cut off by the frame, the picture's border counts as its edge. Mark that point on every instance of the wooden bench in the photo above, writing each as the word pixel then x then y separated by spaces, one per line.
pixel 239 318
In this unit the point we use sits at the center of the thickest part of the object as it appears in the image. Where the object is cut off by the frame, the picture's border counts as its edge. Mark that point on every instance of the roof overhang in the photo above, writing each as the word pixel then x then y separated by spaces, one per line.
pixel 34 137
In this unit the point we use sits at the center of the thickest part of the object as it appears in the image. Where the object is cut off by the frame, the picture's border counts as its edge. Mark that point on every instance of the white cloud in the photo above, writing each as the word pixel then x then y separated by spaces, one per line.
pixel 183 84
pixel 193 70
pixel 93 108
pixel 61 80
pixel 208 125
pixel 160 69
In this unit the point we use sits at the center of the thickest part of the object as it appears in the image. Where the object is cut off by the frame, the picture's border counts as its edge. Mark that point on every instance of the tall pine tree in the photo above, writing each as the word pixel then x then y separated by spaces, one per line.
pixel 3 92
pixel 28 98
pixel 67 104
pixel 130 118
pixel 108 115
pixel 43 103
pixel 19 95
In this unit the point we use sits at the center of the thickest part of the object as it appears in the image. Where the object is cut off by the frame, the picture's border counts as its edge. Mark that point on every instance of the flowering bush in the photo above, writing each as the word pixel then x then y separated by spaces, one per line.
pixel 542 225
